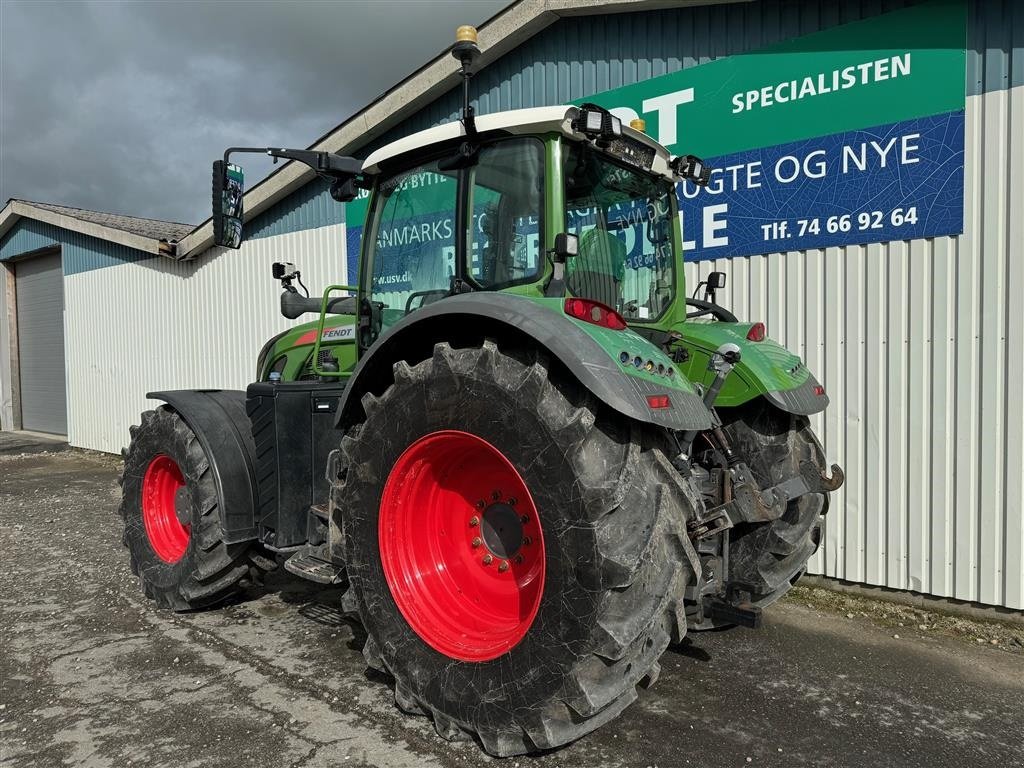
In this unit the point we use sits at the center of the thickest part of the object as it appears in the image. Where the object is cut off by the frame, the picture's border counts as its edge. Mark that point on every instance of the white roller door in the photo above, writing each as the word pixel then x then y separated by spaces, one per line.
pixel 39 290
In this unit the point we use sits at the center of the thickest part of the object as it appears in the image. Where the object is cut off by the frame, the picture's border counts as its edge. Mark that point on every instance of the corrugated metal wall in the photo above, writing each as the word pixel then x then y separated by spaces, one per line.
pixel 159 324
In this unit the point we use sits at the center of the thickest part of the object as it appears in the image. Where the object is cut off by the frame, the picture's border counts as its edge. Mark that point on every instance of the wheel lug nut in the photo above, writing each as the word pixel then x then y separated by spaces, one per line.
pixel 480 504
pixel 474 521
pixel 511 501
pixel 496 495
pixel 477 542
pixel 503 566
pixel 524 519
pixel 488 560
pixel 519 559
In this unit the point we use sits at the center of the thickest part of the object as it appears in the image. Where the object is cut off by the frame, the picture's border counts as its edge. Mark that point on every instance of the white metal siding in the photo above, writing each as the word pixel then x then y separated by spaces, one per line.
pixel 159 324
pixel 40 309
pixel 920 345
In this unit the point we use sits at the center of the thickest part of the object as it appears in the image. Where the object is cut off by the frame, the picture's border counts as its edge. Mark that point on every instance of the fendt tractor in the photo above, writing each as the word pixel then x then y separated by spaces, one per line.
pixel 532 462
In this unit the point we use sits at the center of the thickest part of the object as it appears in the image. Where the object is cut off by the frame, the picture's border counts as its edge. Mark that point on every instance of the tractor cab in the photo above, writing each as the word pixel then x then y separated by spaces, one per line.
pixel 532 202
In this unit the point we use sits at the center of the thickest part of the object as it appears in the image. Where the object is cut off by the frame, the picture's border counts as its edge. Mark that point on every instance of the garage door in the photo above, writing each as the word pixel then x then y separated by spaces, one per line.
pixel 40 300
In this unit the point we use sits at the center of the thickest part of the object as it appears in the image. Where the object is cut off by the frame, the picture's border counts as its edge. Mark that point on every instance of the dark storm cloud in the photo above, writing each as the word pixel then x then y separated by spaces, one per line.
pixel 122 106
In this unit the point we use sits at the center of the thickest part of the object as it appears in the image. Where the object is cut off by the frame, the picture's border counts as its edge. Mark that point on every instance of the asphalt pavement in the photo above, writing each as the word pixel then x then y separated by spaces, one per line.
pixel 92 675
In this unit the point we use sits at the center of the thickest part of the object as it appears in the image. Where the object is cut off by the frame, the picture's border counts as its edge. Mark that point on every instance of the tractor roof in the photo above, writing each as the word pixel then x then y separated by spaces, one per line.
pixel 537 120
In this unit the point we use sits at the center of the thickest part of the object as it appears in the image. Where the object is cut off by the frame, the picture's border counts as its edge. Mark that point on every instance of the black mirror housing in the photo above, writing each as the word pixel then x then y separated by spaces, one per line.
pixel 228 192
pixel 693 168
pixel 567 246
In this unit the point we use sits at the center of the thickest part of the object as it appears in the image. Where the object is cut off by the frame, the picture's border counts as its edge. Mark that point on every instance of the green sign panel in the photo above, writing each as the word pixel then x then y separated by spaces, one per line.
pixel 893 67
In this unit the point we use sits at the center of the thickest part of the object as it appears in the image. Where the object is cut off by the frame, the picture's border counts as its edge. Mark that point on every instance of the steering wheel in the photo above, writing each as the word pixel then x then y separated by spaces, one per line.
pixel 441 292
pixel 707 308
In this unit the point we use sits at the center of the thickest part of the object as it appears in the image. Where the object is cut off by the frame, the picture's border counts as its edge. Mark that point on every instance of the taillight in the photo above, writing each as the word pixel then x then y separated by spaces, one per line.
pixel 756 332
pixel 659 401
pixel 819 390
pixel 595 312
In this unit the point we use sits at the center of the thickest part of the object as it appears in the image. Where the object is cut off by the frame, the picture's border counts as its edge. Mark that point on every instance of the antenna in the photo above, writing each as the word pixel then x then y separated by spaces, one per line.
pixel 467 52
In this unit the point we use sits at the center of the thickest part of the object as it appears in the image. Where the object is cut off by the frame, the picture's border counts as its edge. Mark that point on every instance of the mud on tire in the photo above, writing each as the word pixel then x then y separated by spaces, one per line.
pixel 766 559
pixel 613 514
pixel 208 571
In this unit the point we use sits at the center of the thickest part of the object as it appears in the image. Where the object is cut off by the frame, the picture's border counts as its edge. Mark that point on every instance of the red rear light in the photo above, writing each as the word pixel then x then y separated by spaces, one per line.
pixel 595 312
pixel 819 390
pixel 756 332
pixel 659 401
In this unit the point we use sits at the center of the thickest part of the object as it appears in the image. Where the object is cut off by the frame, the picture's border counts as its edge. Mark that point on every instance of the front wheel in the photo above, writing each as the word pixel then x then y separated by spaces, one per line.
pixel 766 559
pixel 516 556
pixel 171 516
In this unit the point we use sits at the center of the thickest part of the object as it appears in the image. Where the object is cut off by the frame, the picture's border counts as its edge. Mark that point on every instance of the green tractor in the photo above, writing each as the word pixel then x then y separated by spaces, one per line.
pixel 530 459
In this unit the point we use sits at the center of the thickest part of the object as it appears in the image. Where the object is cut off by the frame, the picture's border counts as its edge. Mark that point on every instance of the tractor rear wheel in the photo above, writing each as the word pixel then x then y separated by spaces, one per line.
pixel 172 525
pixel 766 559
pixel 516 554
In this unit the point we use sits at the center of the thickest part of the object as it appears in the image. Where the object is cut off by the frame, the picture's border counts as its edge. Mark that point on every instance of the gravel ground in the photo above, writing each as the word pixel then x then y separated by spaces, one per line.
pixel 92 675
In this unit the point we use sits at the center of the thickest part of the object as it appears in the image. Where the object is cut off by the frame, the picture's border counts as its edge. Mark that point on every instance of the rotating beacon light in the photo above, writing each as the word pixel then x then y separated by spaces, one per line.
pixel 467 52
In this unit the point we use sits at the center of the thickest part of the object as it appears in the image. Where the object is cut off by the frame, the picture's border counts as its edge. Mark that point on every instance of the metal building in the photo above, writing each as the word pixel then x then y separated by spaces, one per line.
pixel 918 339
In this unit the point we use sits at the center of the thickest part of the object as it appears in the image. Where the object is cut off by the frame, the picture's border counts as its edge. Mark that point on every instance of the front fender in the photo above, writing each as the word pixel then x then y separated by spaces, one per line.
pixel 589 352
pixel 766 368
pixel 219 420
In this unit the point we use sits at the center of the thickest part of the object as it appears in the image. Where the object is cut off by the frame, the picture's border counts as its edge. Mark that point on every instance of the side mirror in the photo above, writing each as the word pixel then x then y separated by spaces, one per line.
pixel 715 281
pixel 567 246
pixel 228 188
pixel 693 168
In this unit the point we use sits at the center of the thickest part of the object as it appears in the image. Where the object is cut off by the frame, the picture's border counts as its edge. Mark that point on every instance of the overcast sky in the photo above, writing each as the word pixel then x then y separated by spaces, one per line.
pixel 122 106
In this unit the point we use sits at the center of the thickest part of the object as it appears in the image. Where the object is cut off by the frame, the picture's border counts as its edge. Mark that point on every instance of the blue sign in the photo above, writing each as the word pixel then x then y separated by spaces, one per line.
pixel 900 181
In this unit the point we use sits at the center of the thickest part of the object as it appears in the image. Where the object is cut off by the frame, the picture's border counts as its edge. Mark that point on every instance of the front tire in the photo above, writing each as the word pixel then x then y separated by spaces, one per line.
pixel 766 559
pixel 491 653
pixel 171 516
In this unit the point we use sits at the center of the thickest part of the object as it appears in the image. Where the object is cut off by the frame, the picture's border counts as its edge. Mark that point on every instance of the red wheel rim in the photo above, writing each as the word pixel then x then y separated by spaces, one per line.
pixel 168 537
pixel 461 546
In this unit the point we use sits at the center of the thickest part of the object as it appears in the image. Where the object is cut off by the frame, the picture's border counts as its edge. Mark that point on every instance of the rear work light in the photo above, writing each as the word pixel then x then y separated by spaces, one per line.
pixel 595 312
pixel 659 401
pixel 756 332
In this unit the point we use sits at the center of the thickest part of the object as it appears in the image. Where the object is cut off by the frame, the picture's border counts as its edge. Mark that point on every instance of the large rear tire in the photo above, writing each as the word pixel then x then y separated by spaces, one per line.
pixel 767 559
pixel 171 515
pixel 450 612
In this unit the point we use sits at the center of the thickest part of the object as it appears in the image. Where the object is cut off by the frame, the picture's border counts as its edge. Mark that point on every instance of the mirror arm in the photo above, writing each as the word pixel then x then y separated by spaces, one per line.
pixel 324 163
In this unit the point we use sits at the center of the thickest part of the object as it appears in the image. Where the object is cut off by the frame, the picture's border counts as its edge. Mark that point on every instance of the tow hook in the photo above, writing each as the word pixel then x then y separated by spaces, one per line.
pixel 835 481
pixel 743 614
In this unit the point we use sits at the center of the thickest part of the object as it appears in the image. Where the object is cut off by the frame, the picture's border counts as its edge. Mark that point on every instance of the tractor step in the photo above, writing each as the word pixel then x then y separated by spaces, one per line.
pixel 314 563
pixel 321 511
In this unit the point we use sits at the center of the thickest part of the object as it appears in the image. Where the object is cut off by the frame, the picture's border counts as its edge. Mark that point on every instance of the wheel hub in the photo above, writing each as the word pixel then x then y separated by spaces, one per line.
pixel 183 505
pixel 502 530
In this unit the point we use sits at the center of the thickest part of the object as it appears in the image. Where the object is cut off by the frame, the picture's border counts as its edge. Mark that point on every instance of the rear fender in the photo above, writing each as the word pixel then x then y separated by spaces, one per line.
pixel 532 323
pixel 766 368
pixel 219 420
